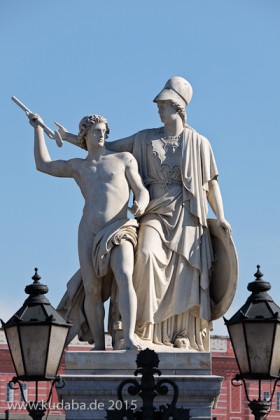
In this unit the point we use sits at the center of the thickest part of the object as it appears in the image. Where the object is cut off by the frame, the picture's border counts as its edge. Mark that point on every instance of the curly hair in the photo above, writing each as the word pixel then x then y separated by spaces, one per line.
pixel 85 124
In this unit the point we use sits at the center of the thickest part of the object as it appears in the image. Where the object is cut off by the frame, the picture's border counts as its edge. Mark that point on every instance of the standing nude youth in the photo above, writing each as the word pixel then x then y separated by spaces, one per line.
pixel 105 179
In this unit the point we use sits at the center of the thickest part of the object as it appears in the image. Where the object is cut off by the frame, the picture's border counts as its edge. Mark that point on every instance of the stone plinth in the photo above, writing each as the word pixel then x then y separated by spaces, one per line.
pixel 92 379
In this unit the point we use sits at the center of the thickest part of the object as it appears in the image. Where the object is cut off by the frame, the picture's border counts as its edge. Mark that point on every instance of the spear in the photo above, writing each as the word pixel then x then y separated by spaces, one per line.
pixel 51 134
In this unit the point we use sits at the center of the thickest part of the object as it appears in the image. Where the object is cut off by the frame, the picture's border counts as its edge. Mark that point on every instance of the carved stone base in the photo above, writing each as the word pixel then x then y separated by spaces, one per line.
pixel 92 380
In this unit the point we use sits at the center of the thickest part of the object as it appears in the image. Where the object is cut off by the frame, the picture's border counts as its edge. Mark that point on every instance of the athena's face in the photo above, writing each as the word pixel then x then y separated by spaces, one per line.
pixel 96 136
pixel 167 111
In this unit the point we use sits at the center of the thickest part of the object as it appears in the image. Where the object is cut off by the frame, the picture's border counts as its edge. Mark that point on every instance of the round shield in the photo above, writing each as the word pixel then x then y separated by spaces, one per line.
pixel 224 274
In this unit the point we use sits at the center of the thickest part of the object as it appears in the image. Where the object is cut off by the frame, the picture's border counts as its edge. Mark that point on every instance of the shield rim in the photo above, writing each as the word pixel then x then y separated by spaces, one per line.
pixel 218 309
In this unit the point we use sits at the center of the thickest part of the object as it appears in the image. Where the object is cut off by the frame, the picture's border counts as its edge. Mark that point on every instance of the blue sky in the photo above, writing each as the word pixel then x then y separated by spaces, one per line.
pixel 66 59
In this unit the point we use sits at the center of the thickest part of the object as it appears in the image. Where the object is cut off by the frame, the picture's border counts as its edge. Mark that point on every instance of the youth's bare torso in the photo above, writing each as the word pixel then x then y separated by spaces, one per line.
pixel 104 186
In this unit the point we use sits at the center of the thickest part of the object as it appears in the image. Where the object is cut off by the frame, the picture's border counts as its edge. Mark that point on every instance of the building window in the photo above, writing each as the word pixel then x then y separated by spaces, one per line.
pixel 266 395
pixel 278 401
pixel 9 393
pixel 24 390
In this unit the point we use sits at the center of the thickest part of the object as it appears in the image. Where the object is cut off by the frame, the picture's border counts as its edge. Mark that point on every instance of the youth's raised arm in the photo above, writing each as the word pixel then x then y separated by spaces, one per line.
pixel 42 157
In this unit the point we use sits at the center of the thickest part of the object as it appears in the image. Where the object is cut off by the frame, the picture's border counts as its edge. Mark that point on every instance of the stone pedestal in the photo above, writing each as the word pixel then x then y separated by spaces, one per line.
pixel 92 380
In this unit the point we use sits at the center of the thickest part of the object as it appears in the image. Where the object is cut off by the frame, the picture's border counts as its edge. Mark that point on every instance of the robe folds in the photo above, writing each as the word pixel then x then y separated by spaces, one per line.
pixel 174 255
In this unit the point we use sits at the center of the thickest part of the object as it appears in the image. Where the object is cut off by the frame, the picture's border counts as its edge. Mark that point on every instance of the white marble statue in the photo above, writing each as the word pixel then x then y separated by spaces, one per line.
pixel 106 237
pixel 174 257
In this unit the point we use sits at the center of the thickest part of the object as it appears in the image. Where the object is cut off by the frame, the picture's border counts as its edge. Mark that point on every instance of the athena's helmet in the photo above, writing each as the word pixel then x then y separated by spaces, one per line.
pixel 176 89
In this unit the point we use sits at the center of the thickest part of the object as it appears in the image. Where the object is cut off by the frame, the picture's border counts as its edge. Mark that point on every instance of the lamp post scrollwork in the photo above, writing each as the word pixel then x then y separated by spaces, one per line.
pixel 148 389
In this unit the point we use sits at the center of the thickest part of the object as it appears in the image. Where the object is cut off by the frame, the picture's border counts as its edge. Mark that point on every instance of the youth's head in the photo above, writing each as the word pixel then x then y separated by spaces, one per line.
pixel 92 126
pixel 175 96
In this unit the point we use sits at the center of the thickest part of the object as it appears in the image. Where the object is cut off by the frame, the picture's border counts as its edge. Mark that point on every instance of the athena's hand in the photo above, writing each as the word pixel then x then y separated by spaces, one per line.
pixel 225 225
pixel 62 130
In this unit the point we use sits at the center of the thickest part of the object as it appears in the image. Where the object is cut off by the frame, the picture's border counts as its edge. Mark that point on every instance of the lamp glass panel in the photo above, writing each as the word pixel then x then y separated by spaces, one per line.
pixel 14 344
pixel 35 341
pixel 259 337
pixel 275 363
pixel 57 342
pixel 239 346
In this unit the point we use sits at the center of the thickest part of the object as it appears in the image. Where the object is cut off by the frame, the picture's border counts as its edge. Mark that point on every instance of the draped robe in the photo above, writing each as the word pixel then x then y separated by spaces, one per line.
pixel 172 272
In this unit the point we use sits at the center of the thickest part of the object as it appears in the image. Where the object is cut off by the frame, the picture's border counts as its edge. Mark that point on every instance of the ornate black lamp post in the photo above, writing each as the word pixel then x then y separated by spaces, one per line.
pixel 148 389
pixel 255 335
pixel 36 337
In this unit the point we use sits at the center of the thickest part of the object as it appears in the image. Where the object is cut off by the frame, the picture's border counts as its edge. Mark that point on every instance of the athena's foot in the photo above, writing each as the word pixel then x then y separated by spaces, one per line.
pixel 182 343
